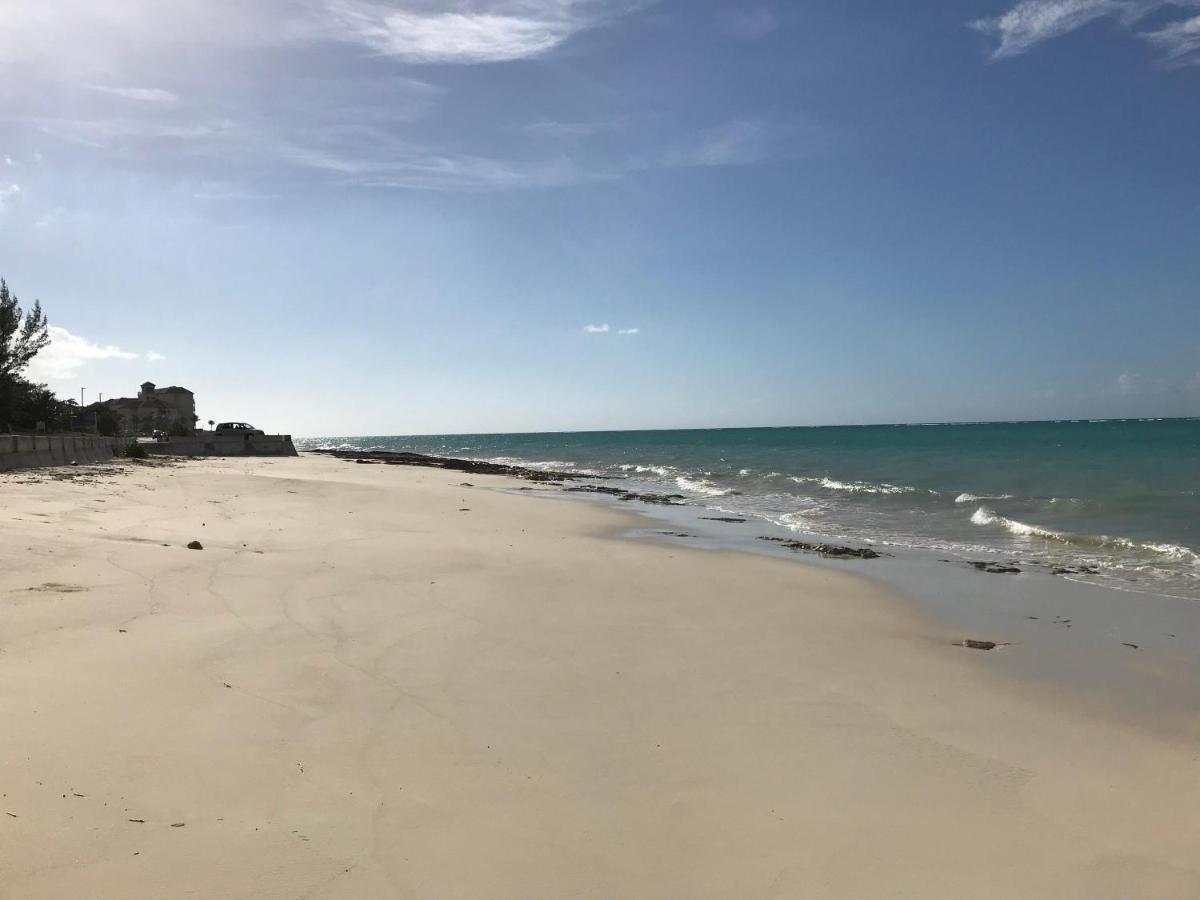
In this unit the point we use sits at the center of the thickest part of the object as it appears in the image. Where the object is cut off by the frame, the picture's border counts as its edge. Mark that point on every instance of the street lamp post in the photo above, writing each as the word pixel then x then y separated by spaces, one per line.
pixel 81 390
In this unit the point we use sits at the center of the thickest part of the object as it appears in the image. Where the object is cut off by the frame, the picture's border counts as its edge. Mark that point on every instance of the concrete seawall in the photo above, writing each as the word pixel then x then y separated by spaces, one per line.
pixel 225 445
pixel 23 451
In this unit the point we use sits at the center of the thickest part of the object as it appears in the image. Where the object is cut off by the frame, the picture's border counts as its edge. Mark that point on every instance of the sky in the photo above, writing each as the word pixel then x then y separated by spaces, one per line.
pixel 348 217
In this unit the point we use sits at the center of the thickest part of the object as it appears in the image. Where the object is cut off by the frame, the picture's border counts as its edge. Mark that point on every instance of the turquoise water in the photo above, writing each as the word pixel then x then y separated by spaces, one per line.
pixel 1120 495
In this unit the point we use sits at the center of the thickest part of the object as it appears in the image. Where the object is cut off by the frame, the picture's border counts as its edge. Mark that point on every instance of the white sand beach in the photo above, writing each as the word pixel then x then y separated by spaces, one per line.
pixel 373 682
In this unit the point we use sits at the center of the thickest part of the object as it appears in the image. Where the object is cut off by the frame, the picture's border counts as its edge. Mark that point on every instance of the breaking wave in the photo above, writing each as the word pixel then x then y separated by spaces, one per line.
pixel 856 487
pixel 1172 552
pixel 703 486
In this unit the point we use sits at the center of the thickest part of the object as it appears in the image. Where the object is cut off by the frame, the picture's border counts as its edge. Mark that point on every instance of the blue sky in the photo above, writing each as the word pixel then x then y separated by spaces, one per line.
pixel 368 217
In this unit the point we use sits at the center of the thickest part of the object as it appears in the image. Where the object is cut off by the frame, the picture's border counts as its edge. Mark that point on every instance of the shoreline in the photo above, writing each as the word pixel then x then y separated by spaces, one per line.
pixel 373 681
pixel 1134 655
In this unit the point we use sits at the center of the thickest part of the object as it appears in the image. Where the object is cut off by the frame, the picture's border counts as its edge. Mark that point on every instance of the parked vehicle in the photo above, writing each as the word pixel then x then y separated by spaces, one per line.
pixel 240 428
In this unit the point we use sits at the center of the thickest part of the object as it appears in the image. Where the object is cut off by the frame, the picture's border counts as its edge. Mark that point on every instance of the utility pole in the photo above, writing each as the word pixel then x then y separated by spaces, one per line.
pixel 81 390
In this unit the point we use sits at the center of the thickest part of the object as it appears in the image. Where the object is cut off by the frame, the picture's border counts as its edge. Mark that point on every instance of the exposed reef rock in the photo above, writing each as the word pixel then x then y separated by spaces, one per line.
pixel 994 568
pixel 622 494
pixel 733 520
pixel 829 551
pixel 473 466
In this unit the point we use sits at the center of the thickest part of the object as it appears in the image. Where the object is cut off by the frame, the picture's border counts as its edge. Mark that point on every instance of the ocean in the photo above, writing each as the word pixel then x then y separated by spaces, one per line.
pixel 1119 496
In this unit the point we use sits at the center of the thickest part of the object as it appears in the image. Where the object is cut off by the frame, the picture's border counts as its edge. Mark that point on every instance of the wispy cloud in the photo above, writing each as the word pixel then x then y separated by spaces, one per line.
pixel 1031 22
pixel 141 95
pixel 154 356
pixel 67 353
pixel 1129 384
pixel 331 114
pixel 489 32
pixel 1179 41
pixel 9 194
pixel 607 329
pixel 752 23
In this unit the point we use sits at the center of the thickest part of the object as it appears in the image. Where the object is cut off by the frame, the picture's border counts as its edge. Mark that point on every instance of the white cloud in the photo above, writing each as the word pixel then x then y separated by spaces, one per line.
pixel 9 194
pixel 629 331
pixel 1129 383
pixel 141 95
pixel 752 24
pixel 67 353
pixel 597 329
pixel 488 32
pixel 296 102
pixel 154 356
pixel 1030 22
pixel 1179 41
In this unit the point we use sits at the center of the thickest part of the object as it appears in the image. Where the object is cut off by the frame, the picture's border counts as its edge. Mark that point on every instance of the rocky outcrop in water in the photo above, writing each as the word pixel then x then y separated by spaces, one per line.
pixel 621 494
pixel 829 551
pixel 473 466
pixel 994 568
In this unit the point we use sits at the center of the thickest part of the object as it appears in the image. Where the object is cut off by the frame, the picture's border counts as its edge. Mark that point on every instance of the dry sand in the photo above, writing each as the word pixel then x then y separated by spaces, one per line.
pixel 357 689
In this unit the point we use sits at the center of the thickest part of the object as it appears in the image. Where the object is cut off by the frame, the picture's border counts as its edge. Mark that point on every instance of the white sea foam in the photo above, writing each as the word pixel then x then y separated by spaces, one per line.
pixel 855 487
pixel 1171 552
pixel 985 516
pixel 541 464
pixel 660 471
pixel 977 498
pixel 702 486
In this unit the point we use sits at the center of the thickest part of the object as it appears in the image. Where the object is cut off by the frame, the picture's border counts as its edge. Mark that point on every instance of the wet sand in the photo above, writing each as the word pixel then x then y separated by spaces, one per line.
pixel 374 682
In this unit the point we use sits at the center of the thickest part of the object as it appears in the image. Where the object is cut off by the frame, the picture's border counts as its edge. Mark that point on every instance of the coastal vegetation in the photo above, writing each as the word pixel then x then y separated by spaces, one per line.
pixel 27 405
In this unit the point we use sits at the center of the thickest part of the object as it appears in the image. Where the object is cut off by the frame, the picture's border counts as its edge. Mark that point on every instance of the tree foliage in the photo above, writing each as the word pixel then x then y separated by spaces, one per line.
pixel 22 334
pixel 22 403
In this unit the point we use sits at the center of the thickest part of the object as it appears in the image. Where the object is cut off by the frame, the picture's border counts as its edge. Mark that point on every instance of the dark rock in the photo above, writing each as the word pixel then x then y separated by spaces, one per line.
pixel 1134 646
pixel 978 645
pixel 678 534
pixel 994 567
pixel 466 484
pixel 730 519
pixel 471 466
pixel 195 545
pixel 622 494
pixel 829 551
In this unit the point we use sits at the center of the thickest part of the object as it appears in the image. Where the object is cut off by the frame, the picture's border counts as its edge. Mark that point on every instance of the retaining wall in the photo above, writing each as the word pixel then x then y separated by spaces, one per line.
pixel 22 451
pixel 224 445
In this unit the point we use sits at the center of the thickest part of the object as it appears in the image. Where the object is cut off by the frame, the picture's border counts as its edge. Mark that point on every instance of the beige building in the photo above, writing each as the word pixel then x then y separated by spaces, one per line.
pixel 155 409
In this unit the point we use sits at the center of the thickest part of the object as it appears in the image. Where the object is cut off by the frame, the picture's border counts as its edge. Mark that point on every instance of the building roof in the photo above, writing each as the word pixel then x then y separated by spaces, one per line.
pixel 172 390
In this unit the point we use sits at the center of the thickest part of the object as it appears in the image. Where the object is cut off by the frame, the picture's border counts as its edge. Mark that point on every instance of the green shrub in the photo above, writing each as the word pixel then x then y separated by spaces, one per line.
pixel 134 450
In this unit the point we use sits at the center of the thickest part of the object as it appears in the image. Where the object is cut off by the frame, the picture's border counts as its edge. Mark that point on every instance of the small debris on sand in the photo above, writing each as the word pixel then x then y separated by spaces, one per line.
pixel 195 545
pixel 978 645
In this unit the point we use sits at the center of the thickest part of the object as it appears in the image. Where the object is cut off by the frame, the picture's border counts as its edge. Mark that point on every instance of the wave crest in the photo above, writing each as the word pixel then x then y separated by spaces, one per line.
pixel 1173 552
